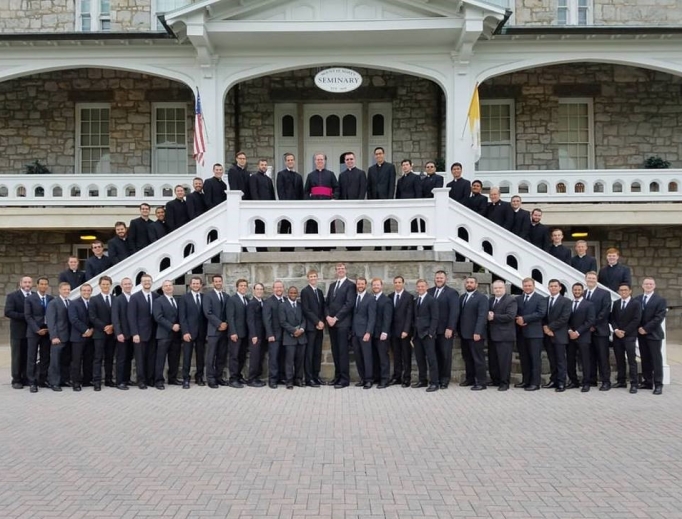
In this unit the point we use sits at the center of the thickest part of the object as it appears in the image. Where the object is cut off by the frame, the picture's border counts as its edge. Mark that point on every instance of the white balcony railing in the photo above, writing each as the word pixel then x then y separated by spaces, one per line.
pixel 545 186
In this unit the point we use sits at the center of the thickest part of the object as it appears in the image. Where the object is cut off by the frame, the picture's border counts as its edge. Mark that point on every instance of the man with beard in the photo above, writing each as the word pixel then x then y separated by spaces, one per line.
pixel 14 311
pixel 238 176
pixel 119 247
pixel 196 200
pixel 539 234
pixel 159 228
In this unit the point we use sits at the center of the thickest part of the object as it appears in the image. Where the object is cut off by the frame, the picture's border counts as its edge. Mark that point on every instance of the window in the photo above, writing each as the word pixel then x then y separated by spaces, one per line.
pixel 574 12
pixel 92 138
pixel 170 138
pixel 288 126
pixel 93 15
pixel 497 135
pixel 574 137
pixel 162 7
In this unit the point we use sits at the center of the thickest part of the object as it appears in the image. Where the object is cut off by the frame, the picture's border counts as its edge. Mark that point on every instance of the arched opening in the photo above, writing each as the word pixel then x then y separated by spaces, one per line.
pixel 39 191
pixel 560 187
pixel 164 264
pixel 617 187
pixel 598 187
pixel 579 187
pixel 487 247
pixel 543 187
pixel 93 191
pixel 112 192
pixel 463 234
pixel 57 192
pixel 524 188
pixel 130 191
pixel 636 187
pixel 364 226
pixel 212 236
pixel 4 192
pixel 537 276
pixel 672 187
pixel 337 225
pixel 512 262
pixel 189 249
pixel 391 226
pixel 75 191
pixel 654 187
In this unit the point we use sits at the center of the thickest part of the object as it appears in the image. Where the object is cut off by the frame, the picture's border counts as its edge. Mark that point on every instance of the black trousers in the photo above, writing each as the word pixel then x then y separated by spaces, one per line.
pixel 294 361
pixel 123 360
pixel 167 349
pixel 104 351
pixel 621 348
pixel 364 360
pixel 530 354
pixel 444 356
pixel 130 355
pixel 339 340
pixel 312 362
pixel 145 361
pixel 651 354
pixel 65 362
pixel 574 350
pixel 234 359
pixel 54 374
pixel 243 351
pixel 36 370
pixel 256 354
pixel 556 353
pixel 402 359
pixel 599 360
pixel 469 369
pixel 500 361
pixel 427 362
pixel 19 353
pixel 274 361
pixel 380 351
pixel 475 365
pixel 198 347
pixel 81 361
pixel 216 357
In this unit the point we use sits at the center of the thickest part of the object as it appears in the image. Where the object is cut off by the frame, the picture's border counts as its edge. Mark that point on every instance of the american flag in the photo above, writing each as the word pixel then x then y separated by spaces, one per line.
pixel 199 139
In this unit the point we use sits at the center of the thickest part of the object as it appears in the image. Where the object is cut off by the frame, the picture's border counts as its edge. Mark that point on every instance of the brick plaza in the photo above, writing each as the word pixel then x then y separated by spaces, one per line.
pixel 352 453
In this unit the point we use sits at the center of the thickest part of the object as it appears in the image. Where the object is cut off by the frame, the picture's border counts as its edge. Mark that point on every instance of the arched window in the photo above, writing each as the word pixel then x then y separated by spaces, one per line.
pixel 333 126
pixel 523 188
pixel 287 126
pixel 672 187
pixel 112 191
pixel 617 187
pixel 579 187
pixel 636 187
pixel 542 187
pixel 598 187
pixel 512 262
pixel 350 126
pixel 560 187
pixel 130 191
pixel 654 187
pixel 316 126
pixel 75 191
pixel 39 191
pixel 57 192
pixel 378 125
pixel 4 192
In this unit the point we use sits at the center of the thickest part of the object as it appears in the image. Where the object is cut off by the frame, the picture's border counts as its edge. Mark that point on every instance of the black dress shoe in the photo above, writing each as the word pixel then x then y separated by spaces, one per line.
pixel 256 383
pixel 142 385
pixel 572 385
pixel 129 383
pixel 443 386
pixel 242 380
pixel 585 388
pixel 382 386
pixel 420 384
pixel 76 387
pixel 236 384
pixel 34 388
pixel 200 382
pixel 66 384
pixel 272 386
pixel 368 385
pixel 549 385
pixel 646 385
pixel 466 383
pixel 406 384
pixel 503 387
pixel 109 383
pixel 340 386
pixel 45 385
pixel 312 383
pixel 98 387
pixel 160 387
pixel 605 387
pixel 359 384
pixel 333 382
pixel 298 383
pixel 87 384
pixel 185 384
pixel 290 386
pixel 320 382
pixel 17 385
pixel 56 388
pixel 174 382
pixel 122 387
pixel 493 383
pixel 658 390
pixel 521 385
pixel 560 389
pixel 478 387
pixel 532 387
pixel 432 388
pixel 222 382
pixel 394 382
pixel 620 385
pixel 633 389
pixel 213 385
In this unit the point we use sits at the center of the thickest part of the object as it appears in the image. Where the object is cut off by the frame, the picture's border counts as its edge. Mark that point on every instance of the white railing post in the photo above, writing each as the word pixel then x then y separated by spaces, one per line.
pixel 233 225
pixel 441 222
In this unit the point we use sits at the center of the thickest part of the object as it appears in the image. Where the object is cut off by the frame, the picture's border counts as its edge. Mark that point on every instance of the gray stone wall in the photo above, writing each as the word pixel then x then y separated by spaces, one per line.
pixel 38 117
pixel 637 112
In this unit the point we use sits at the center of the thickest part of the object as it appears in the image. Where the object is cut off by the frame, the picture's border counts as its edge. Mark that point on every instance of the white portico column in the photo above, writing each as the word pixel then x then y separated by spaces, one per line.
pixel 214 118
pixel 458 141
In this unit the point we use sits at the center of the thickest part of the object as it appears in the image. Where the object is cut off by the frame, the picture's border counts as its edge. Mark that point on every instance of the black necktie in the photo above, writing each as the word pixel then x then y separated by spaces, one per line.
pixel 644 301
pixel 66 303
pixel 220 297
pixel 589 295
pixel 357 303
pixel 525 299
pixel 106 298
pixel 419 303
pixel 495 303
pixel 622 305
pixel 43 302
pixel 245 301
pixel 198 299
pixel 397 300
pixel 172 302
pixel 149 302
pixel 551 303
pixel 575 305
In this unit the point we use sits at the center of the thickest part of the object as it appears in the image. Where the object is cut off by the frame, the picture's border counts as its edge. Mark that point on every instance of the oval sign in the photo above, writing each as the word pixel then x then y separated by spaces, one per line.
pixel 338 80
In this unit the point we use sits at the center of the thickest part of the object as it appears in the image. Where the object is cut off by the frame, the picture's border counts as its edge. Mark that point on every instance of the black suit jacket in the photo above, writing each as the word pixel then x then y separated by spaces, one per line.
pixel 100 315
pixel 448 308
pixel 460 190
pixel 627 320
pixel 119 316
pixel 14 311
pixel 473 316
pixel 403 314
pixel 478 203
pixel 352 184
pixel 556 318
pixel 584 264
pixel 652 316
pixel 138 233
pixel 425 316
pixel 409 186
pixel 312 304
pixel 166 315
pixel 364 315
pixel 254 319
pixel 291 319
pixel 238 179
pixel 214 192
pixel 236 316
pixel 502 327
pixel 74 279
pixel 140 319
pixel 289 185
pixel 340 303
pixel 601 299
pixel 381 182
pixel 429 183
pixel 521 224
pixel 157 230
pixel 192 318
pixel 261 187
pixel 533 312
pixel 273 328
pixel 196 204
pixel 215 312
pixel 501 213
pixel 79 320
pixel 539 236
pixel 34 313
pixel 384 316
pixel 118 250
pixel 57 319
pixel 582 320
pixel 177 214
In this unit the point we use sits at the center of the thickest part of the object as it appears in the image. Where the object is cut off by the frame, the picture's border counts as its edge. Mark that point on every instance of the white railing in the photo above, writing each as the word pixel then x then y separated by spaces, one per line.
pixel 110 189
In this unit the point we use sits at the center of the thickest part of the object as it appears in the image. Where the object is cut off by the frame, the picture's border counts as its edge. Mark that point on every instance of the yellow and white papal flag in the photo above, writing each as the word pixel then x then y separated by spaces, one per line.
pixel 474 120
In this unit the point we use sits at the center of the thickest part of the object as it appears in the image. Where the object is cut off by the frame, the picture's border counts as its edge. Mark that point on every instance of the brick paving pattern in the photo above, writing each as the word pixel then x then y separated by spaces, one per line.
pixel 351 453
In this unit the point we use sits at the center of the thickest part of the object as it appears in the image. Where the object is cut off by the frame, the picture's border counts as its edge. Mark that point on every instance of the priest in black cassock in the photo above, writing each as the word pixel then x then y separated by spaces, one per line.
pixel 352 185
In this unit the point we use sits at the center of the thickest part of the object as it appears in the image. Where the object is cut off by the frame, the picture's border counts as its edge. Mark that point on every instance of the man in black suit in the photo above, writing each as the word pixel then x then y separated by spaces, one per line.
pixel 72 275
pixel 193 326
pixel 499 211
pixel 14 311
pixel 168 338
pixel 473 320
pixel 531 310
pixel 119 247
pixel 238 176
pixel 273 333
pixel 138 230
pixel 196 200
pixel 448 315
pixel 215 188
pixel 81 339
pixel 339 315
pixel 381 180
pixel 382 332
pixel 579 325
pixel 59 329
pixel 312 304
pixel 215 307
pixel 557 249
pixel 177 213
pixel 256 336
pixel 143 331
pixel 599 350
pixel 364 318
pixel 159 228
pixel 539 234
pixel 425 328
pixel 401 333
pixel 614 274
pixel 477 201
pixel 625 319
pixel 431 181
pixel 293 336
pixel 555 328
pixel 582 261
pixel 521 221
pixel 124 343
pixel 37 335
pixel 238 344
pixel 501 335
pixel 460 188
pixel 289 187
pixel 104 337
pixel 650 336
pixel 98 262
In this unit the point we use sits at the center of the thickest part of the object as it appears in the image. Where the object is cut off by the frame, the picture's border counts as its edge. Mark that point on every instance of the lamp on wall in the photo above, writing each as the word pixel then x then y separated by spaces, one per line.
pixel 88 236
pixel 579 233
